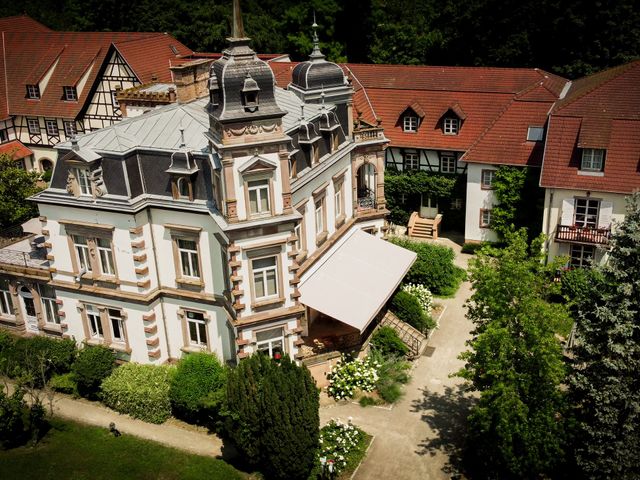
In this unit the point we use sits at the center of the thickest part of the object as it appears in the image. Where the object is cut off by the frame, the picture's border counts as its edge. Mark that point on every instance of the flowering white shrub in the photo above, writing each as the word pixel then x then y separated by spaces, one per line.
pixel 337 441
pixel 350 374
pixel 422 293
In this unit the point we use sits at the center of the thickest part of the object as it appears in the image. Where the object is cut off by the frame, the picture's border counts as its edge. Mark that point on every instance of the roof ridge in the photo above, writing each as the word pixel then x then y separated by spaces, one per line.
pixel 366 95
pixel 489 127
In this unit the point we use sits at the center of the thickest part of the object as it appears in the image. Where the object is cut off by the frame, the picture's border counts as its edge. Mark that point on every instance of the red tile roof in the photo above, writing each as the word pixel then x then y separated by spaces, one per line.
pixel 29 56
pixel 22 23
pixel 600 111
pixel 16 149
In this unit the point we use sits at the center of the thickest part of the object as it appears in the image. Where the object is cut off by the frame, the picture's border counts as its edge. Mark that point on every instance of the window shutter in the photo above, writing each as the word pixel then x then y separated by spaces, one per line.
pixel 606 211
pixel 567 211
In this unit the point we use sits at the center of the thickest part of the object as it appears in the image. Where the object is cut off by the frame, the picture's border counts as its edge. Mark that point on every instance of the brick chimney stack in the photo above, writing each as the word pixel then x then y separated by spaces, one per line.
pixel 191 79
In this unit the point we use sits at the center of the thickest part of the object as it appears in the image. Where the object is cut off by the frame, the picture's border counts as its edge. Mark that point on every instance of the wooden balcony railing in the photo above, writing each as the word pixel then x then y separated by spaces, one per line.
pixel 588 235
pixel 368 134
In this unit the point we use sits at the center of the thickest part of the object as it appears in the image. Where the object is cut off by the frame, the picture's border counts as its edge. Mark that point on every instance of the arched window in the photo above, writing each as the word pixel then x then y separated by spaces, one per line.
pixel 184 188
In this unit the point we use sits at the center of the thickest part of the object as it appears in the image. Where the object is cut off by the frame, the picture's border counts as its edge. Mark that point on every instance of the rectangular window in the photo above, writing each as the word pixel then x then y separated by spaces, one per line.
pixel 447 163
pixel 70 94
pixel 335 141
pixel 117 325
pixel 450 126
pixel 95 324
pixel 585 214
pixel 259 197
pixel 299 232
pixel 271 342
pixel 52 127
pixel 6 306
pixel 106 256
pixel 197 328
pixel 411 161
pixel 34 126
pixel 485 218
pixel 338 200
pixel 581 255
pixel 49 305
pixel 69 128
pixel 84 182
pixel 33 92
pixel 189 263
pixel 265 277
pixel 315 154
pixel 410 123
pixel 114 99
pixel 319 216
pixel 592 160
pixel 535 134
pixel 456 204
pixel 3 136
pixel 81 246
pixel 487 179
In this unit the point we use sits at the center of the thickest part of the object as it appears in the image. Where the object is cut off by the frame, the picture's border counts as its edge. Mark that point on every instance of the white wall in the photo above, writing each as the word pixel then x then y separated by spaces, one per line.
pixel 477 199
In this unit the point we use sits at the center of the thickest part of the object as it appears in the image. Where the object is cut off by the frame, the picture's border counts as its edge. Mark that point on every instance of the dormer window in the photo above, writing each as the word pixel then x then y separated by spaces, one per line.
pixel 592 160
pixel 184 188
pixel 83 180
pixel 70 94
pixel 410 123
pixel 250 92
pixel 33 92
pixel 451 126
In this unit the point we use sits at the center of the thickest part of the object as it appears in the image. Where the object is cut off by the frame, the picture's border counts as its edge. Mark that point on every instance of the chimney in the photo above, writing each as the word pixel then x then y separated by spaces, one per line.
pixel 191 79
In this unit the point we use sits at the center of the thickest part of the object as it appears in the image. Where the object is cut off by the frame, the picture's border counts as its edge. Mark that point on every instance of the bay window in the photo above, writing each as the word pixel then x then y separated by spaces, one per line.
pixel 259 202
pixel 189 259
pixel 196 328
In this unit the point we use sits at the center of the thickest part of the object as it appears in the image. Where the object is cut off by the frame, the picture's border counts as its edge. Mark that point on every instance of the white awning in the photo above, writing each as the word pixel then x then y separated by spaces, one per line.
pixel 355 279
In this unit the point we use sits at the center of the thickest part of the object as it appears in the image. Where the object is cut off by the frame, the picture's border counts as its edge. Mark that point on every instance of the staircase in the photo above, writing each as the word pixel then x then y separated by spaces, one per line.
pixel 411 337
pixel 424 227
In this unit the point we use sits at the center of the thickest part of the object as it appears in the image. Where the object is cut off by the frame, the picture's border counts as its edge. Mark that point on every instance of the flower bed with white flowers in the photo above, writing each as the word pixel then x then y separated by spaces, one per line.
pixel 342 448
pixel 422 293
pixel 351 374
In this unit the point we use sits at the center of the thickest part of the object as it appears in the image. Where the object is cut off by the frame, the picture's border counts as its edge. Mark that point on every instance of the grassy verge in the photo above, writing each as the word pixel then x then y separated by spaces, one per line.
pixel 74 451
pixel 356 456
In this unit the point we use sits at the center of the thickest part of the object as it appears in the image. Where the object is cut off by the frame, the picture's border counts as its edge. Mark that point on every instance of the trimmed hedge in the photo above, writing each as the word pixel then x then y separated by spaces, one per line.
pixel 434 267
pixel 141 391
pixel 197 388
pixel 91 367
pixel 387 342
pixel 408 309
pixel 64 383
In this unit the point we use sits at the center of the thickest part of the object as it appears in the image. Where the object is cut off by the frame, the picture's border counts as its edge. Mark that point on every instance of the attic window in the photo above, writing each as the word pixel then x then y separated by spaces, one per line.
pixel 450 126
pixel 592 160
pixel 250 92
pixel 33 92
pixel 174 49
pixel 535 134
pixel 410 123
pixel 70 94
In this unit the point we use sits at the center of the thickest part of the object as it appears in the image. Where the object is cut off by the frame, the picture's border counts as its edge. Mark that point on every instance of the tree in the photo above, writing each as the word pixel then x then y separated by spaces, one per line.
pixel 604 381
pixel 515 362
pixel 273 416
pixel 16 185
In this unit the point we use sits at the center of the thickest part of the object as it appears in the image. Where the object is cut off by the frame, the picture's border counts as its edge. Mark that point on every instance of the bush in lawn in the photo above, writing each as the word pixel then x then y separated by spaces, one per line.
pixel 19 422
pixel 339 443
pixel 386 341
pixel 351 374
pixel 408 309
pixel 197 388
pixel 141 391
pixel 273 416
pixel 422 293
pixel 64 383
pixel 91 367
pixel 434 267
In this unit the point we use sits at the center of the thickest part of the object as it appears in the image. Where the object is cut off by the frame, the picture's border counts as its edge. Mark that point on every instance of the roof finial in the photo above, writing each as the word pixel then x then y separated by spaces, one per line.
pixel 238 27
pixel 316 54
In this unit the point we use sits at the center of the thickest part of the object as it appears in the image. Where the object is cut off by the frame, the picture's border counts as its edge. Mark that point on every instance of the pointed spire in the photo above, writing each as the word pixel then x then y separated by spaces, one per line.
pixel 316 54
pixel 238 27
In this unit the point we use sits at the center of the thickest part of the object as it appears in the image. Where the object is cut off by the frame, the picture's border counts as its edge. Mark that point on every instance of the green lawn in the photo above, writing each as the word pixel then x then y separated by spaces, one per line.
pixel 74 451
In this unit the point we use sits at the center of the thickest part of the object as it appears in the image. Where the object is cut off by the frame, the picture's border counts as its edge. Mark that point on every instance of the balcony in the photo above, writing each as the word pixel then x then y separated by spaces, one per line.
pixel 583 235
pixel 366 199
pixel 368 134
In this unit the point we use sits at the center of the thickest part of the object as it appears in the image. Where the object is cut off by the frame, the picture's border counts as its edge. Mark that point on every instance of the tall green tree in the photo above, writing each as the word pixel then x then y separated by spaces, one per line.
pixel 16 185
pixel 604 381
pixel 515 362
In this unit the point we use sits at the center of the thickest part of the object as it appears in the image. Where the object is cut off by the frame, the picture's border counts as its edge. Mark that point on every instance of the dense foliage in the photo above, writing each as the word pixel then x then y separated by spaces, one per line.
pixel 517 429
pixel 342 444
pixel 393 372
pixel 387 342
pixel 604 381
pixel 273 416
pixel 422 293
pixel 198 388
pixel 351 374
pixel 19 422
pixel 16 185
pixel 141 391
pixel 434 267
pixel 91 367
pixel 408 309
pixel 573 37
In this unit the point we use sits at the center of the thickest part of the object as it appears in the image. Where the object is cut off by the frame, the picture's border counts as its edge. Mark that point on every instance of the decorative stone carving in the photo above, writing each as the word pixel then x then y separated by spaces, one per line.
pixel 98 183
pixel 71 183
pixel 252 129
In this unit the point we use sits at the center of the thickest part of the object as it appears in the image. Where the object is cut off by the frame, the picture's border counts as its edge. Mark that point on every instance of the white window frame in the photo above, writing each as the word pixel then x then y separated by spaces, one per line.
pixel 269 343
pixel 451 126
pixel 192 257
pixel 70 93
pixel 411 161
pixel 95 321
pixel 200 328
pixel 298 231
pixel 261 273
pixel 33 92
pixel 50 308
pixel 115 317
pixel 410 123
pixel 114 99
pixel 69 128
pixel 483 223
pixel 261 190
pixel 51 126
pixel 84 181
pixel 319 215
pixel 33 126
pixel 483 183
pixel 448 163
pixel 6 303
pixel 579 260
pixel 105 255
pixel 583 212
pixel 337 197
pixel 592 160
pixel 83 253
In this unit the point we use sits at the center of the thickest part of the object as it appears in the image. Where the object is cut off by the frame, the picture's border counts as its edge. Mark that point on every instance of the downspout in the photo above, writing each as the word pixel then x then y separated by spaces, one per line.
pixel 157 268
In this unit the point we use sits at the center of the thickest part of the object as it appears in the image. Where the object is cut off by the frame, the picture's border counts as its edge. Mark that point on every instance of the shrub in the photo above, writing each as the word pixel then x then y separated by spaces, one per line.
pixel 434 267
pixel 386 341
pixel 392 373
pixel 64 383
pixel 91 367
pixel 367 401
pixel 341 444
pixel 390 392
pixel 407 308
pixel 141 391
pixel 196 387
pixel 351 374
pixel 422 293
pixel 273 416
pixel 19 423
